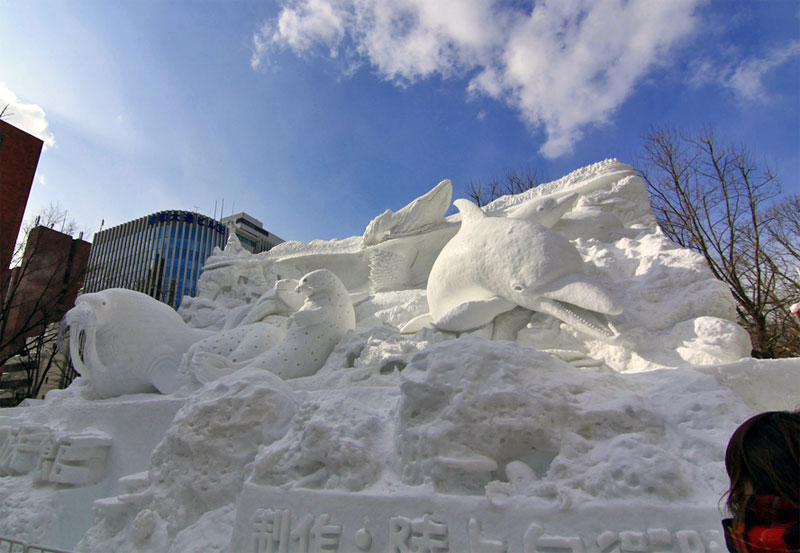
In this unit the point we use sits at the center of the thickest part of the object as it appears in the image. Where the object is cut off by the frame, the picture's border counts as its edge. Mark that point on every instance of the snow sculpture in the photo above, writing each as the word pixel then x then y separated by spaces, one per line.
pixel 198 466
pixel 544 210
pixel 494 264
pixel 125 342
pixel 21 446
pixel 422 213
pixel 75 459
pixel 284 299
pixel 310 452
pixel 315 329
pixel 257 328
pixel 514 425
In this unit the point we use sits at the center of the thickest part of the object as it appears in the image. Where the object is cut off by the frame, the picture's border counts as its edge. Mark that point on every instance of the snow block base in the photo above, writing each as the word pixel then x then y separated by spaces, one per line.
pixel 270 519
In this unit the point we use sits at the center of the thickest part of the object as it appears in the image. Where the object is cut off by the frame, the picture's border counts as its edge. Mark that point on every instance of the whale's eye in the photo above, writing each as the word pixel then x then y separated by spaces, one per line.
pixel 518 287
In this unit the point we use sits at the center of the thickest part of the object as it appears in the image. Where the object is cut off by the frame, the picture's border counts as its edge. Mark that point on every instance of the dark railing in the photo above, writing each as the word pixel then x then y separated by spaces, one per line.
pixel 8 545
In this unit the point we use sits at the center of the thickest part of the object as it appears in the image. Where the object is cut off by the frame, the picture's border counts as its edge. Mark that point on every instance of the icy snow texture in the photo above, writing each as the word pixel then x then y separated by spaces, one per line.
pixel 525 407
pixel 199 465
pixel 333 443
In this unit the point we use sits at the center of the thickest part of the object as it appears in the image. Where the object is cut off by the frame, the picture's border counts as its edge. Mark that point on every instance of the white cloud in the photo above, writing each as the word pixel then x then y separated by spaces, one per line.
pixel 28 117
pixel 744 77
pixel 747 79
pixel 563 65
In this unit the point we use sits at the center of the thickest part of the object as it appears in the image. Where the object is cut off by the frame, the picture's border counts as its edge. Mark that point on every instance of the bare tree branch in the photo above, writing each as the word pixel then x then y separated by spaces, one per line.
pixel 713 198
pixel 34 295
pixel 513 183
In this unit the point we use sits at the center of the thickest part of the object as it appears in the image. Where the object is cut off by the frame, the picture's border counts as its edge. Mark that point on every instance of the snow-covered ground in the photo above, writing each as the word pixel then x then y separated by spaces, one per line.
pixel 566 379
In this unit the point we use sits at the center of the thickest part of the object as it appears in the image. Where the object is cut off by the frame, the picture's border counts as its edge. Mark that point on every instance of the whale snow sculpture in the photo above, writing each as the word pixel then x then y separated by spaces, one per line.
pixel 324 319
pixel 424 212
pixel 125 342
pixel 494 264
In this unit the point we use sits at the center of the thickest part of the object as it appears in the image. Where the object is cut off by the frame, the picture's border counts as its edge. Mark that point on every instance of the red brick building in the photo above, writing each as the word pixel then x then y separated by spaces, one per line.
pixel 43 287
pixel 19 156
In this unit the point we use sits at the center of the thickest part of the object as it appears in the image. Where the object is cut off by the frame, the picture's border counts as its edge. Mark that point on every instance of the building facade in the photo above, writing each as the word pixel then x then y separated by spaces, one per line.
pixel 251 233
pixel 42 288
pixel 160 255
pixel 19 156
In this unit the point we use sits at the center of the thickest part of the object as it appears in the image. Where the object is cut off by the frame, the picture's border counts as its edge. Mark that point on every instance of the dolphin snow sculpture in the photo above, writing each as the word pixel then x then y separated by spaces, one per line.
pixel 494 264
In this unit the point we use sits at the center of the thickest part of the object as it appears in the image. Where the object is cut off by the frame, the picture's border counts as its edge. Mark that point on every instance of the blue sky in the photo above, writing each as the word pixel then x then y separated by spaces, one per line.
pixel 316 115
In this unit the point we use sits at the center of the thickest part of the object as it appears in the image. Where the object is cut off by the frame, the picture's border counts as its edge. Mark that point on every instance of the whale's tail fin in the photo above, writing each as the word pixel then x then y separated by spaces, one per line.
pixel 468 209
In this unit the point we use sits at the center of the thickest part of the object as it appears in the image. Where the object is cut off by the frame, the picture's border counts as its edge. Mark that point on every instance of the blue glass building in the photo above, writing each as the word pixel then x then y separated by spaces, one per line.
pixel 160 255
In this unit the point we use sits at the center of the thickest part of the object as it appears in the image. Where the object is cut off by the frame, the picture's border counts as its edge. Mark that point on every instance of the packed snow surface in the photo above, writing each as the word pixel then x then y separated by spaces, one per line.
pixel 548 372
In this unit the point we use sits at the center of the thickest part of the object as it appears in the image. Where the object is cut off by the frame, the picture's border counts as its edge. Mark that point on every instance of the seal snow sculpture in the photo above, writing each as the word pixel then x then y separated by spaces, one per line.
pixel 314 331
pixel 494 264
pixel 125 342
pixel 262 326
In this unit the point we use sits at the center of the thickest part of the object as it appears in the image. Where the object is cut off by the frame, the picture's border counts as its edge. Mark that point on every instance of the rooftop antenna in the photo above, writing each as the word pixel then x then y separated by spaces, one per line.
pixel 222 209
pixel 233 203
pixel 215 209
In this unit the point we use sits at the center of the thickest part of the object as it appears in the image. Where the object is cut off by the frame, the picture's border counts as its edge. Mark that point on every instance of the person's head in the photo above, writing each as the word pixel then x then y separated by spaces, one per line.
pixel 763 457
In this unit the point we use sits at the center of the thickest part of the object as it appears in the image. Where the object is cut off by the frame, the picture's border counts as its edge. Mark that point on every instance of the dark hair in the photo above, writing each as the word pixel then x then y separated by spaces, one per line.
pixel 764 452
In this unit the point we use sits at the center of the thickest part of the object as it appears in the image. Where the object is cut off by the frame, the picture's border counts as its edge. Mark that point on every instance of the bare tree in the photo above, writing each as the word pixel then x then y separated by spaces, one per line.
pixel 35 294
pixel 513 183
pixel 54 217
pixel 713 198
pixel 38 365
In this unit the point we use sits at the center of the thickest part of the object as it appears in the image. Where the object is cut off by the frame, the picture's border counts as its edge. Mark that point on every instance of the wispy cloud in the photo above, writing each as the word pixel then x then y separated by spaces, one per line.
pixel 745 77
pixel 562 65
pixel 28 117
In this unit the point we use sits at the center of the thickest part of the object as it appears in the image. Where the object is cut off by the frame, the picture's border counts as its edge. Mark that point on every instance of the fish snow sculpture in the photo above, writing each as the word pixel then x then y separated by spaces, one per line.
pixel 125 342
pixel 494 264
